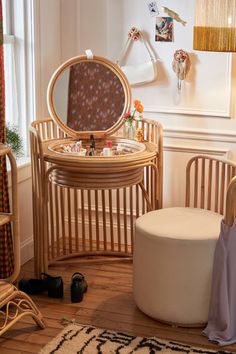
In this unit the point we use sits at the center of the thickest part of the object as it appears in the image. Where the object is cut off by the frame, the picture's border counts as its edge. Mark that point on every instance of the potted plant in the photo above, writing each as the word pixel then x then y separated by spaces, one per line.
pixel 14 140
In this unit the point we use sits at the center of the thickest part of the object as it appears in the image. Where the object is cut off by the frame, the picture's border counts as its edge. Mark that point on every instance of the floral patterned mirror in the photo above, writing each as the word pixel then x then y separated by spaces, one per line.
pixel 88 96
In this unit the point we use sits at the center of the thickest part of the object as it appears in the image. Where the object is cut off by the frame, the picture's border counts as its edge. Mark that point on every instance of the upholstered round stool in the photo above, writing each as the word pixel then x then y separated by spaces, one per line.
pixel 173 261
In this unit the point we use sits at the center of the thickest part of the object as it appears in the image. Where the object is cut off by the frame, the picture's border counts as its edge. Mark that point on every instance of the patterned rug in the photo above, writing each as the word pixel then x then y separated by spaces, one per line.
pixel 81 339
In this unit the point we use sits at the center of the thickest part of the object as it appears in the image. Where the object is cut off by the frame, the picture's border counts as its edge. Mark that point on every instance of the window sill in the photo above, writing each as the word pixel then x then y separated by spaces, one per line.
pixel 23 161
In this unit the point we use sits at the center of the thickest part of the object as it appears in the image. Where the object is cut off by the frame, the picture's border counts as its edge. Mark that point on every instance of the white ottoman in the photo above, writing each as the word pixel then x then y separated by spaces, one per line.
pixel 173 261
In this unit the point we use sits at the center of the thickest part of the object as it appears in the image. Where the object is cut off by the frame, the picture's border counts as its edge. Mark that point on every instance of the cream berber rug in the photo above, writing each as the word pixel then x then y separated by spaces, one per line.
pixel 82 339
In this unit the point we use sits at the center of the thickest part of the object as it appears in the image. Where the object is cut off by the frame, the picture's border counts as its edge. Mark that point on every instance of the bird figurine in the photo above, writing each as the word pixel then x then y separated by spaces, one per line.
pixel 174 15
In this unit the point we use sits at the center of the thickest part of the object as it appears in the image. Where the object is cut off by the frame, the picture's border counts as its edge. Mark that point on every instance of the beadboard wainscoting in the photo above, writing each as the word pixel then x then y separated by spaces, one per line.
pixel 25 208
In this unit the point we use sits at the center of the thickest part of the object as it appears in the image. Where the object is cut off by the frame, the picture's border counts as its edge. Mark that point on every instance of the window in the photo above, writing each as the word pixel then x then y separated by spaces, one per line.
pixel 19 65
pixel 10 73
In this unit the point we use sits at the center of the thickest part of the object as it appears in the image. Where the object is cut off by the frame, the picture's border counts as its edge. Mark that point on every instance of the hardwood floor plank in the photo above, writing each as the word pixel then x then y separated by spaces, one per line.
pixel 108 304
pixel 12 351
pixel 18 346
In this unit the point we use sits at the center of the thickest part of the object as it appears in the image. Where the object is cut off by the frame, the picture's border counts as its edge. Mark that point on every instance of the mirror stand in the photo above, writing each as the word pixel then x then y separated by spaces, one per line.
pixel 87 204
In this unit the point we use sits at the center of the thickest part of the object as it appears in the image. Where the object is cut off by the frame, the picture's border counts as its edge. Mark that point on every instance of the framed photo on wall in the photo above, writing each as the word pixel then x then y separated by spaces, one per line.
pixel 164 29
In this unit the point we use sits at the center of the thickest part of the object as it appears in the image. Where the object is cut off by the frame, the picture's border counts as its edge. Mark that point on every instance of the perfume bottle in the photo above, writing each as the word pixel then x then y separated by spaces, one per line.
pixel 92 139
pixel 107 150
pixel 92 146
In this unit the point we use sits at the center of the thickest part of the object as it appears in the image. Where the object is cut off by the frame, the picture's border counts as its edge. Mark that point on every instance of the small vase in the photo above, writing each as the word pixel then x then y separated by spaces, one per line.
pixel 129 131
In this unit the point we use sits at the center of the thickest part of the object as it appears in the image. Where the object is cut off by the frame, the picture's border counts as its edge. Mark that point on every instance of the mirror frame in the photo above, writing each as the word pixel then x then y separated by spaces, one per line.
pixel 51 88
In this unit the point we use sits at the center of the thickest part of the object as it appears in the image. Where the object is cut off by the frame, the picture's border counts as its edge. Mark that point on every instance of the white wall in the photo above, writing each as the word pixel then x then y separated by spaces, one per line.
pixel 203 121
pixel 25 211
pixel 56 40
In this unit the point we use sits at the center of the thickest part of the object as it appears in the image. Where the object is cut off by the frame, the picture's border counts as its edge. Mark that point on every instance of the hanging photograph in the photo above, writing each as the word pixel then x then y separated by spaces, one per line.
pixel 152 6
pixel 164 29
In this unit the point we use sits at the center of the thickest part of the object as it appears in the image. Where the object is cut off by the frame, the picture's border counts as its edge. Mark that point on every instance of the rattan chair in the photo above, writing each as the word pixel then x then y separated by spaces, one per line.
pixel 174 247
pixel 14 304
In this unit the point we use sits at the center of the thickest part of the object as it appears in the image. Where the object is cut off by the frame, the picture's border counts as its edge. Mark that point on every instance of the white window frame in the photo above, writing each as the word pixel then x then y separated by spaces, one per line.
pixel 19 28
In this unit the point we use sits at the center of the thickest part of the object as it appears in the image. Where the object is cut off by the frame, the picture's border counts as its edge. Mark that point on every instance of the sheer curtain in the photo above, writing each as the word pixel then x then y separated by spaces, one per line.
pixel 6 246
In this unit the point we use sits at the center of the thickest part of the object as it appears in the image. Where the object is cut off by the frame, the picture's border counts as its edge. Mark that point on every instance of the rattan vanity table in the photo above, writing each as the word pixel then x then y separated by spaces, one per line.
pixel 87 205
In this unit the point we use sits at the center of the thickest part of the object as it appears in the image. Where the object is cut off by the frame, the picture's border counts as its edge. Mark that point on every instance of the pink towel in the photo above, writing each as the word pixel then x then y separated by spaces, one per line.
pixel 221 327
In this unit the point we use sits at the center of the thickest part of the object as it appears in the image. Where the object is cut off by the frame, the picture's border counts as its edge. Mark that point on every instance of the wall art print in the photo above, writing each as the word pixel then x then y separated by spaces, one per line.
pixel 164 29
pixel 153 9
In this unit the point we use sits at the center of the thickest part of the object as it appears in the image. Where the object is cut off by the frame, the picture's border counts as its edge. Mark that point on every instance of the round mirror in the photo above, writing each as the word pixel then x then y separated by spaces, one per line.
pixel 88 96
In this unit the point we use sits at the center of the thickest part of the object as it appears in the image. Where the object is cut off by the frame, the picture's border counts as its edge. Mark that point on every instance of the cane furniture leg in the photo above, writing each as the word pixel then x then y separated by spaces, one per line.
pixel 72 219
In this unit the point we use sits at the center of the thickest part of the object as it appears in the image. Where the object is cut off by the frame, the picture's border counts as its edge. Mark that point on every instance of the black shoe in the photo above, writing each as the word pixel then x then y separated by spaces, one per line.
pixel 79 286
pixel 53 285
pixel 32 286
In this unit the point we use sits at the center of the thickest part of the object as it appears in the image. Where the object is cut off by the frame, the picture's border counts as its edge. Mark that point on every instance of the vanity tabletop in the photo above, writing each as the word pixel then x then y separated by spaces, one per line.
pixel 125 153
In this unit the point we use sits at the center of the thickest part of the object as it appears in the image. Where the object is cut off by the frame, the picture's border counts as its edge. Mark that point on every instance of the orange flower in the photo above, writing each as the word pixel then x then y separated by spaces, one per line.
pixel 136 103
pixel 130 115
pixel 139 108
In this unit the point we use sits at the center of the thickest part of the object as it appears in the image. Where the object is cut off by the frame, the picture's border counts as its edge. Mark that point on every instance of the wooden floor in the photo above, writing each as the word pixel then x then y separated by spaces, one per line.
pixel 107 304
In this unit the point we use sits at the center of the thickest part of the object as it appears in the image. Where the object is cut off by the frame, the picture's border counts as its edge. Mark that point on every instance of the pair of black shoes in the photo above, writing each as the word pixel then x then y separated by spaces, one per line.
pixel 54 286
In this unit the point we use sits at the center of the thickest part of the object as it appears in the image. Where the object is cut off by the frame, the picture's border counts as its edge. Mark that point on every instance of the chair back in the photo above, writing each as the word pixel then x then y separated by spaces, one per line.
pixel 207 181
